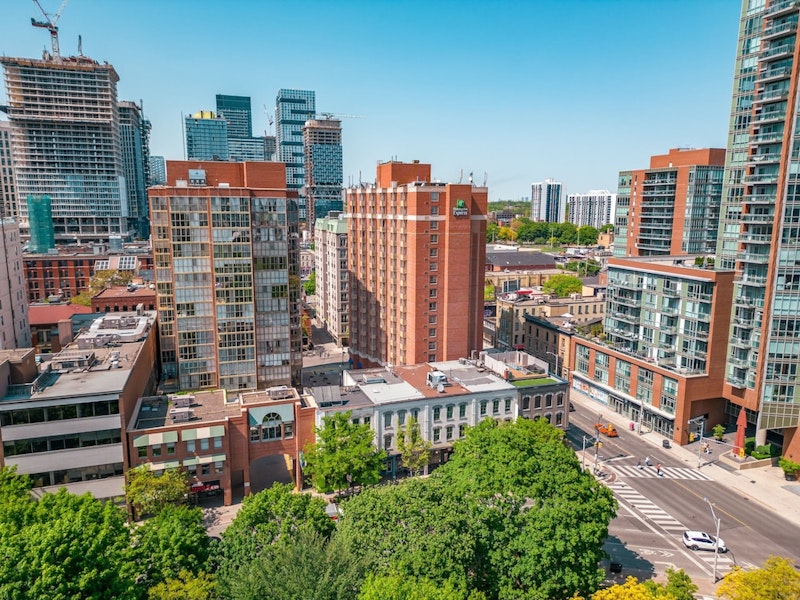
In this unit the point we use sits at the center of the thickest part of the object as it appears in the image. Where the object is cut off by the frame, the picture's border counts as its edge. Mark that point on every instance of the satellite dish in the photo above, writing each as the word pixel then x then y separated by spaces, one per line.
pixel 440 388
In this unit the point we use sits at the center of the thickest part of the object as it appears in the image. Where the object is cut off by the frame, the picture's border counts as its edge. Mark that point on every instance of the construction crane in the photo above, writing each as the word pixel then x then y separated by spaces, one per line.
pixel 50 24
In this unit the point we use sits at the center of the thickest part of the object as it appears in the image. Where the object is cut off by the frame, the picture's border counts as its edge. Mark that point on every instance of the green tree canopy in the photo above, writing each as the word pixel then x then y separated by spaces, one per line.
pixel 414 449
pixel 69 547
pixel 608 228
pixel 172 542
pixel 305 565
pixel 149 493
pixel 587 235
pixel 100 281
pixel 583 267
pixel 399 587
pixel 310 285
pixel 776 579
pixel 343 449
pixel 187 586
pixel 265 518
pixel 562 285
pixel 492 232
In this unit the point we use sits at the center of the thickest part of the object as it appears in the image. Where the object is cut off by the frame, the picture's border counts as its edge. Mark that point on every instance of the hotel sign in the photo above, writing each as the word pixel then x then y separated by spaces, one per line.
pixel 460 209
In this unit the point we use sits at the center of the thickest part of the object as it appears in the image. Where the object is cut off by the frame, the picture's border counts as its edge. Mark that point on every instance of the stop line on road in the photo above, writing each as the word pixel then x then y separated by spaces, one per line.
pixel 650 472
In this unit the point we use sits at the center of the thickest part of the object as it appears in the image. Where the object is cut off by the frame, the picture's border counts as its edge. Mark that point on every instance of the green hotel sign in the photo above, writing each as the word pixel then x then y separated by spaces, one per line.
pixel 460 209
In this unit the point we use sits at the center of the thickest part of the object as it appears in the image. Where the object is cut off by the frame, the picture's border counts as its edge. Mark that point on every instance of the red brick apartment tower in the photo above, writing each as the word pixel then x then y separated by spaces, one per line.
pixel 417 257
pixel 674 205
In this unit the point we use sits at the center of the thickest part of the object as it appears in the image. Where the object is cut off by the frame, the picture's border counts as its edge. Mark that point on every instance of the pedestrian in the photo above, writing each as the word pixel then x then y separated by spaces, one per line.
pixel 639 464
pixel 647 460
pixel 658 470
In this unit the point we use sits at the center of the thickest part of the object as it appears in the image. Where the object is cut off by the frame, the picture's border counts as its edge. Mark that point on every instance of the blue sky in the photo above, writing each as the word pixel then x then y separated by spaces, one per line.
pixel 574 90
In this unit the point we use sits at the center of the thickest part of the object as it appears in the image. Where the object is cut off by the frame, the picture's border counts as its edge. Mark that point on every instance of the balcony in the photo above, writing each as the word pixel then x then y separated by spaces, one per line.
pixel 757 238
pixel 760 218
pixel 770 74
pixel 766 178
pixel 778 51
pixel 763 159
pixel 754 258
pixel 764 117
pixel 779 29
pixel 739 342
pixel 751 279
pixel 781 6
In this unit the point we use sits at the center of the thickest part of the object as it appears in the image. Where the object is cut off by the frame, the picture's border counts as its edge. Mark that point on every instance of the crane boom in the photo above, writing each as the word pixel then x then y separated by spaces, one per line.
pixel 50 24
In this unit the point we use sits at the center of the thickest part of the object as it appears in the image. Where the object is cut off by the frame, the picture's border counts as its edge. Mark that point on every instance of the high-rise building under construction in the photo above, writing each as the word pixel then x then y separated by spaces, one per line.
pixel 65 139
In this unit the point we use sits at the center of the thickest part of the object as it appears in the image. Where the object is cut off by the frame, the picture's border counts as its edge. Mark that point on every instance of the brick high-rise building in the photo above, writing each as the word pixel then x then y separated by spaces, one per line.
pixel 672 207
pixel 225 245
pixel 417 252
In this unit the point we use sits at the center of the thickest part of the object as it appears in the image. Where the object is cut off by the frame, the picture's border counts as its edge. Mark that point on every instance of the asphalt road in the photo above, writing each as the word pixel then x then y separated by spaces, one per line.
pixel 654 511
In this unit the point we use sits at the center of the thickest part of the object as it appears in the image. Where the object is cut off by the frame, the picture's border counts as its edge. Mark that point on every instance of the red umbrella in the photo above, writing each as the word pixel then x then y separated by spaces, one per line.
pixel 741 425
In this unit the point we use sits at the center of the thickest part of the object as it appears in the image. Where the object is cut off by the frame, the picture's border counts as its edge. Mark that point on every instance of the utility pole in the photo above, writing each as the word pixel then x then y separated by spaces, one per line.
pixel 716 538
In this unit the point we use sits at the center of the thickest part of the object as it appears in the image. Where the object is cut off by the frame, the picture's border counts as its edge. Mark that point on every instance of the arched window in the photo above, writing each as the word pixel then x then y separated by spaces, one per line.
pixel 548 417
pixel 559 418
pixel 548 401
pixel 537 402
pixel 271 427
pixel 526 403
pixel 560 399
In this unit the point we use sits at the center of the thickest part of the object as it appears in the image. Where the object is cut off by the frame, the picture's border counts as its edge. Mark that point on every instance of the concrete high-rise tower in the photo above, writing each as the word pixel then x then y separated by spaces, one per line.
pixel 546 204
pixel 66 145
pixel 8 196
pixel 225 246
pixel 15 329
pixel 292 109
pixel 417 254
pixel 322 143
pixel 759 235
pixel 594 209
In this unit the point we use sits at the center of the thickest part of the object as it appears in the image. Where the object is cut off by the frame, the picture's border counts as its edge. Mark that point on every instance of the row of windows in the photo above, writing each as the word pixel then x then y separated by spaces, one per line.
pixel 59 413
pixel 62 442
pixel 168 449
pixel 537 401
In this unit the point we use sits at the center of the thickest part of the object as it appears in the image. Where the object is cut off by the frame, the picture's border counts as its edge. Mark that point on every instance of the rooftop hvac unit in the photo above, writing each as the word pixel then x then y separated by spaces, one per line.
pixel 180 415
pixel 182 401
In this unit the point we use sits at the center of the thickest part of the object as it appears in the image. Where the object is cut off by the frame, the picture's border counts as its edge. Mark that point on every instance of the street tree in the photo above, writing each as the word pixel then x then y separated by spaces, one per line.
pixel 304 565
pixel 67 547
pixel 492 231
pixel 679 586
pixel 186 586
pixel 149 493
pixel 399 587
pixel 777 579
pixel 265 518
pixel 173 541
pixel 343 454
pixel 415 450
pixel 607 228
pixel 310 285
pixel 562 285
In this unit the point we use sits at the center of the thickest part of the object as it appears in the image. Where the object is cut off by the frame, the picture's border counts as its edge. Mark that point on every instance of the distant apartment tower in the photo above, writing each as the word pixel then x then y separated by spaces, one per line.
pixel 546 204
pixel 134 132
pixel 758 230
pixel 66 144
pixel 157 173
pixel 225 245
pixel 322 143
pixel 292 109
pixel 15 328
pixel 593 209
pixel 333 288
pixel 417 253
pixel 7 187
pixel 206 136
pixel 671 208
pixel 237 111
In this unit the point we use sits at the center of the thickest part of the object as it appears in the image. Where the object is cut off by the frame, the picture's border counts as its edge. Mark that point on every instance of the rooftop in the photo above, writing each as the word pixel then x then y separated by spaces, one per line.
pixel 50 314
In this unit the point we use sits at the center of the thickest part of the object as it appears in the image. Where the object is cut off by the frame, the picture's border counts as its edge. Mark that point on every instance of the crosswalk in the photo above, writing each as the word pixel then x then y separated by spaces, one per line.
pixel 650 472
pixel 662 519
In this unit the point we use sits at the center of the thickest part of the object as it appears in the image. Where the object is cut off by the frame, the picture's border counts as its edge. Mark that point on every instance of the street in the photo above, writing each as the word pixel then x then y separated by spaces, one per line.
pixel 645 538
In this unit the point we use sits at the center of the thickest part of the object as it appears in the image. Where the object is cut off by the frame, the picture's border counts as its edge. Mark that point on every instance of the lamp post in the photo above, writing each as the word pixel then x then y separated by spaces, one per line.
pixel 716 538
pixel 702 422
pixel 583 450
pixel 558 374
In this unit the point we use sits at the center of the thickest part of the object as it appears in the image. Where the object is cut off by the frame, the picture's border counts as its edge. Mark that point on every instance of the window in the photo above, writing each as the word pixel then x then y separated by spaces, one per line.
pixel 190 446
pixel 432 306
pixel 432 280
pixel 462 411
pixel 218 442
pixel 434 238
pixel 434 252
pixel 253 434
pixel 192 470
pixel 437 434
pixel 387 442
pixel 449 432
pixel 495 407
pixel 434 210
pixel 142 451
pixel 171 448
pixel 156 450
pixel 559 399
pixel 507 405
pixel 271 427
pixel 450 409
pixel 483 408
pixel 367 420
pixel 437 413
pixel 205 469
pixel 401 417
pixel 288 430
pixel 219 467
pixel 431 358
pixel 462 430
pixel 204 444
pixel 526 402
pixel 431 345
pixel 431 332
pixel 548 400
pixel 537 402
pixel 387 419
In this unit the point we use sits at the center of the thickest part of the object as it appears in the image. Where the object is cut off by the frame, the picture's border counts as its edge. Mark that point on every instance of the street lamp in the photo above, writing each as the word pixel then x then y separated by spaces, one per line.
pixel 558 374
pixel 716 538
pixel 702 422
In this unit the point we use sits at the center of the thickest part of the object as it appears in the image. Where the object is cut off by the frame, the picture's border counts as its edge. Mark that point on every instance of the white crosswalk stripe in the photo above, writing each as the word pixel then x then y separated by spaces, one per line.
pixel 650 472
pixel 661 518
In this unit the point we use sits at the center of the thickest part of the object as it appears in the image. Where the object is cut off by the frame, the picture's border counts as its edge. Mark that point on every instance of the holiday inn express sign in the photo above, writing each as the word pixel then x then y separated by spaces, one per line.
pixel 460 209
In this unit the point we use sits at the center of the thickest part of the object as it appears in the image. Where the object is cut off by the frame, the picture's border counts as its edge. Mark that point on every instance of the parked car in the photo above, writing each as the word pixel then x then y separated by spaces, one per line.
pixel 700 540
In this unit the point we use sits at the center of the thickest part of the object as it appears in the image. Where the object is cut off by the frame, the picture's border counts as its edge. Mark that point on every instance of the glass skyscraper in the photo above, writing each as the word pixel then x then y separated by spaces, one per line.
pixel 322 139
pixel 206 137
pixel 292 109
pixel 237 111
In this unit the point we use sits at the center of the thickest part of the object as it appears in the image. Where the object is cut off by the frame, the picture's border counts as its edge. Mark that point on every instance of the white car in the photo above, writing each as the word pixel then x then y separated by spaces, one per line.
pixel 700 540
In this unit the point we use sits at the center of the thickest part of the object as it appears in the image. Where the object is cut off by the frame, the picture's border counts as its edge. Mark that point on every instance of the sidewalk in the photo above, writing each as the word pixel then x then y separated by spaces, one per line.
pixel 766 485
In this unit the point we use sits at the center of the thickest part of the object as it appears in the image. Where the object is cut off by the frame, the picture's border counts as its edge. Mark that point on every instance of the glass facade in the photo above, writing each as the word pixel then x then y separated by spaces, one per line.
pixel 237 111
pixel 292 109
pixel 206 137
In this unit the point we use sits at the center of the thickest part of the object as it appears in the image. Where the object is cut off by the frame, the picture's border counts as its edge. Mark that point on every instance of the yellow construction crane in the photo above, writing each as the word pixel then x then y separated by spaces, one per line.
pixel 50 24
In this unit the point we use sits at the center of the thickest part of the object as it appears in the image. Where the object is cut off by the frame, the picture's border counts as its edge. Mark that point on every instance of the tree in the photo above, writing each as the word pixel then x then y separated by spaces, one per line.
pixel 306 565
pixel 343 454
pixel 633 590
pixel 492 231
pixel 186 586
pixel 264 519
pixel 100 281
pixel 488 291
pixel 583 267
pixel 149 493
pixel 587 235
pixel 607 228
pixel 776 579
pixel 414 449
pixel 172 542
pixel 399 587
pixel 310 285
pixel 679 585
pixel 507 234
pixel 562 285
pixel 68 547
